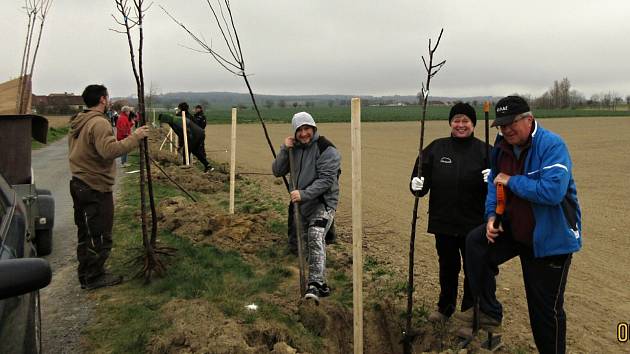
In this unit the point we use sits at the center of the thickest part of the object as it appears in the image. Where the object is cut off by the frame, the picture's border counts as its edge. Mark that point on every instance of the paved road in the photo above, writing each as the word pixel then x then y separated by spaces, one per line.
pixel 65 307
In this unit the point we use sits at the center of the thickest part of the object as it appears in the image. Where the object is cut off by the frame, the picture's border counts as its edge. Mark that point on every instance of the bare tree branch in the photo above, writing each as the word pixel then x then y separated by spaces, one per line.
pixel 34 9
pixel 225 63
pixel 231 48
pixel 237 65
pixel 45 6
pixel 152 263
pixel 431 71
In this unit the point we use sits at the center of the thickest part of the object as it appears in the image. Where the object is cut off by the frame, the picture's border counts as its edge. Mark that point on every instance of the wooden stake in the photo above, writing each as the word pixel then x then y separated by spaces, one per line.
pixel 163 142
pixel 170 135
pixel 357 227
pixel 187 158
pixel 233 161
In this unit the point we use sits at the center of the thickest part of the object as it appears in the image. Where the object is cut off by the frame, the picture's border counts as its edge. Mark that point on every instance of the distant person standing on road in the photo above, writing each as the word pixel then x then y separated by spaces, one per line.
pixel 541 224
pixel 92 152
pixel 455 171
pixel 123 130
pixel 316 163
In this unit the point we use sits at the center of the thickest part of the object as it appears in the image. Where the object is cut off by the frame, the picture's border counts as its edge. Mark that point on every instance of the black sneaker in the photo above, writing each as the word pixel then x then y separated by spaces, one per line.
pixel 324 290
pixel 103 281
pixel 312 293
pixel 315 291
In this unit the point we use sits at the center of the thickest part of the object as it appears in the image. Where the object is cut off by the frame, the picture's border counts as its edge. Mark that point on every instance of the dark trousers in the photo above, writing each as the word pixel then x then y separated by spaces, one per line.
pixel 545 279
pixel 94 217
pixel 199 151
pixel 451 252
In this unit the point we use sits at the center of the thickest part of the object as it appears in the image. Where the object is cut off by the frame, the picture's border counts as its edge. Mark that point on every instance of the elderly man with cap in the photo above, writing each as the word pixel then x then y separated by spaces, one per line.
pixel 541 224
pixel 455 170
pixel 316 163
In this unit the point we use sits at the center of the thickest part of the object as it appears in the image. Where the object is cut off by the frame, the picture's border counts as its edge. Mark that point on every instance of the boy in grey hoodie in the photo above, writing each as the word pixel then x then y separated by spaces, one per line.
pixel 316 193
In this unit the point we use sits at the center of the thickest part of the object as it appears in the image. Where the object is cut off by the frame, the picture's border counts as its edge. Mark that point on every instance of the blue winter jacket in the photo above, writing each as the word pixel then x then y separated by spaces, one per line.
pixel 547 183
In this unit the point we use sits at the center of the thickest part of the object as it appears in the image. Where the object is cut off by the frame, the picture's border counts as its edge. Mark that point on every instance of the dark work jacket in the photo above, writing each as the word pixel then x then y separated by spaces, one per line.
pixel 451 168
pixel 195 134
pixel 200 119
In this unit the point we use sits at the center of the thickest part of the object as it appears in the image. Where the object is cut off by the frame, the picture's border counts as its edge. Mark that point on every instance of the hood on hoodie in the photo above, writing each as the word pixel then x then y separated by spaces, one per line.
pixel 78 121
pixel 302 118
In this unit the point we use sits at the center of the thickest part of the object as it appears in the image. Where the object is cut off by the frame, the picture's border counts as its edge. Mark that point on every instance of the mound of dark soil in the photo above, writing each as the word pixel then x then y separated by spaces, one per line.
pixel 202 224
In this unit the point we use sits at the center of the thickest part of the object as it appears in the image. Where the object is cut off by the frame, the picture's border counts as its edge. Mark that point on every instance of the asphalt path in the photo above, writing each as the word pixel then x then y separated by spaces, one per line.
pixel 65 306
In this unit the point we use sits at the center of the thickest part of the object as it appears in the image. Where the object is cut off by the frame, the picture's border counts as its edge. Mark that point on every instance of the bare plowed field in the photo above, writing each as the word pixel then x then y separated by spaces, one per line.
pixel 58 121
pixel 598 290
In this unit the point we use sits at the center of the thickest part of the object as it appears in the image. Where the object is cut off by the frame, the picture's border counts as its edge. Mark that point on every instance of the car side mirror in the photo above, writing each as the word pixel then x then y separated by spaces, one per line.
pixel 23 275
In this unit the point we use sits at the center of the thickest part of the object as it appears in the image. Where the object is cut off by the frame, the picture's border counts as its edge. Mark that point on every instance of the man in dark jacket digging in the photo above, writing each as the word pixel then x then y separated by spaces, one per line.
pixel 316 193
pixel 195 135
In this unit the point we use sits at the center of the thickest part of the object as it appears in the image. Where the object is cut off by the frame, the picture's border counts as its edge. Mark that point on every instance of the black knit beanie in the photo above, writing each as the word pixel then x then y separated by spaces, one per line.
pixel 465 109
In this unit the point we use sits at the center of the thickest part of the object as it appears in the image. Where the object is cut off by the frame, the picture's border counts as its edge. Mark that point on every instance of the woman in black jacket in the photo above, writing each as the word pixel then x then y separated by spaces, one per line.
pixel 455 170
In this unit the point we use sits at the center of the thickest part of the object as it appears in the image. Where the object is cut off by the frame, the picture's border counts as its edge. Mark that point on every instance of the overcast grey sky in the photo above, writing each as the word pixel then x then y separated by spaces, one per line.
pixel 367 47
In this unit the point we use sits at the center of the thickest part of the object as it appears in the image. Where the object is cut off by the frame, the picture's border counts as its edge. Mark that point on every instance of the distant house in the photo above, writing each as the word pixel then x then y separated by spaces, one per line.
pixel 397 104
pixel 439 103
pixel 58 103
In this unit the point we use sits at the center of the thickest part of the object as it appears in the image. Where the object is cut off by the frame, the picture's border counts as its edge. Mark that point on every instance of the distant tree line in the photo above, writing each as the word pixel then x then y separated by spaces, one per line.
pixel 560 95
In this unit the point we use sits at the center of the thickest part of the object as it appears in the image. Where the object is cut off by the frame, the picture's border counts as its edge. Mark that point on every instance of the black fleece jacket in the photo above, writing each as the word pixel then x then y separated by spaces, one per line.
pixel 451 168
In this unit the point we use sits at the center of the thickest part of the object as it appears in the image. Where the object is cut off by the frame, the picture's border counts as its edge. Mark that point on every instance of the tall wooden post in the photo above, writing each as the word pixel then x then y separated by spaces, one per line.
pixel 170 139
pixel 233 161
pixel 187 158
pixel 357 227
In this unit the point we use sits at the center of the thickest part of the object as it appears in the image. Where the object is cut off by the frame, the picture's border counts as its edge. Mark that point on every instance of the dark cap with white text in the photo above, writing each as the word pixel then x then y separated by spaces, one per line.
pixel 508 108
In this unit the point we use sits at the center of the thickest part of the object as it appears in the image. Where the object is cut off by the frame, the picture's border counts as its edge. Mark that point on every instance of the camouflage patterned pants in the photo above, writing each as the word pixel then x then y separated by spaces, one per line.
pixel 317 225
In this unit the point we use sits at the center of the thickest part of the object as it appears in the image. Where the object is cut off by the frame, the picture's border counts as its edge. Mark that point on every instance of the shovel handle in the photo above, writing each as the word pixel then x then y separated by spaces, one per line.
pixel 500 209
pixel 298 228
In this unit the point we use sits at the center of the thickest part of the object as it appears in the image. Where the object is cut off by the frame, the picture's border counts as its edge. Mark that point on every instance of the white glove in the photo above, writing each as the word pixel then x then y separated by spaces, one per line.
pixel 417 183
pixel 485 174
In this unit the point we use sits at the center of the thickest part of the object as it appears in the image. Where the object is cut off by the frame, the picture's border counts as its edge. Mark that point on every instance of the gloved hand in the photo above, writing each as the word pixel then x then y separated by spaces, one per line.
pixel 417 183
pixel 485 174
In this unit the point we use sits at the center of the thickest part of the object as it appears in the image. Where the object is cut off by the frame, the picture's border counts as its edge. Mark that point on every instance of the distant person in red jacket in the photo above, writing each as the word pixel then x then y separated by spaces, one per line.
pixel 123 130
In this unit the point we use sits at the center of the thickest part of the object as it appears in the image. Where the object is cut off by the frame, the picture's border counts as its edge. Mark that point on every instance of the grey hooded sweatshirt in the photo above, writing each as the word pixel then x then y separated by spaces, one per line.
pixel 316 173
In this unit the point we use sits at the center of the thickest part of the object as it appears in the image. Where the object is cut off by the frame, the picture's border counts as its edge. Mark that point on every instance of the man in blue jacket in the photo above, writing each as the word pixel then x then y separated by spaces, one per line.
pixel 541 224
